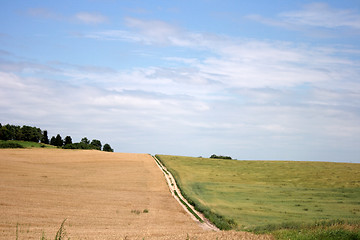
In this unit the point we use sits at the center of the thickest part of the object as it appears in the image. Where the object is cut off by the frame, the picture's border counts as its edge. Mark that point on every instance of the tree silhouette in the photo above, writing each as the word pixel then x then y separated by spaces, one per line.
pixel 85 140
pixel 58 141
pixel 96 143
pixel 67 140
pixel 45 138
pixel 107 148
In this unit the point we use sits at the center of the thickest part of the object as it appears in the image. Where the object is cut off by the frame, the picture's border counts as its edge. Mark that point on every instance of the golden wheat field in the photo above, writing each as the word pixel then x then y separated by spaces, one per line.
pixel 101 195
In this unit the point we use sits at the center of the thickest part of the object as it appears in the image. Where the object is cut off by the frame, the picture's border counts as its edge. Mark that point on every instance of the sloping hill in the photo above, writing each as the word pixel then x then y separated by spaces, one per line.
pixel 102 195
pixel 265 196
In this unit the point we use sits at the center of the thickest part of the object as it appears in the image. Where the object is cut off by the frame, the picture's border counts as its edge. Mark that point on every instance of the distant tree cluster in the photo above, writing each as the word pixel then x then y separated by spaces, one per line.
pixel 33 134
pixel 86 144
pixel 220 157
pixel 24 133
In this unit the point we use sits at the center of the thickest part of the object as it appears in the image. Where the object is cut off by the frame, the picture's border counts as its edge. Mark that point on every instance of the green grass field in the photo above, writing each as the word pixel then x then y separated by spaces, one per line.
pixel 22 144
pixel 264 194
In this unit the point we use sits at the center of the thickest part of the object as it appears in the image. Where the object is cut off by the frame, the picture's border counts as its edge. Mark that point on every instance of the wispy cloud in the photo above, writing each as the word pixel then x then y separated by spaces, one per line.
pixel 244 62
pixel 322 15
pixel 113 35
pixel 315 15
pixel 155 32
pixel 81 17
pixel 158 32
pixel 302 90
pixel 91 18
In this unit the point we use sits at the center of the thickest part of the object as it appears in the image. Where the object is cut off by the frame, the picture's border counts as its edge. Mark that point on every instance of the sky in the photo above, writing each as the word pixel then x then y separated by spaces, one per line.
pixel 255 80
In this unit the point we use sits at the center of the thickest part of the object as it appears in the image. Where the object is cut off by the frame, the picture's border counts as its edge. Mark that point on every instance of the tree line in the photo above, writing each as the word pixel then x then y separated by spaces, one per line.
pixel 34 134
pixel 220 157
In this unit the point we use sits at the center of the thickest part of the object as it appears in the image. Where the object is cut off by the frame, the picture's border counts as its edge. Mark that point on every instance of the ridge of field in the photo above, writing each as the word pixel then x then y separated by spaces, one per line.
pixel 256 194
pixel 101 195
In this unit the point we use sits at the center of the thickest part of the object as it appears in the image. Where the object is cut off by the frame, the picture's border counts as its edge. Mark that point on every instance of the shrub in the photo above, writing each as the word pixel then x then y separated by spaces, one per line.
pixel 80 145
pixel 220 157
pixel 107 148
pixel 96 144
pixel 10 145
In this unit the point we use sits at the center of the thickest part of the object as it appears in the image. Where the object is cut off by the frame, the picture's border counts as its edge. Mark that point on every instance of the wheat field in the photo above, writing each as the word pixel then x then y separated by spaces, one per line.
pixel 101 195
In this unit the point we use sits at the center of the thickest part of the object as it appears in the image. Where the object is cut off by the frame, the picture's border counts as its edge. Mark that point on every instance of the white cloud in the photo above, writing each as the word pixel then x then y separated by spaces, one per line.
pixel 155 32
pixel 245 63
pixel 316 20
pixel 163 33
pixel 82 17
pixel 243 71
pixel 91 18
pixel 243 94
pixel 10 81
pixel 114 35
pixel 152 104
pixel 322 15
pixel 158 32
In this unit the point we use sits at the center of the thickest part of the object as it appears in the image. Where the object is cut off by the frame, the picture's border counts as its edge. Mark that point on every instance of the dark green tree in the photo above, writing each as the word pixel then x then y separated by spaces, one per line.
pixel 58 141
pixel 15 132
pixel 96 144
pixel 220 157
pixel 67 140
pixel 12 132
pixel 53 141
pixel 45 138
pixel 26 133
pixel 31 134
pixel 107 148
pixel 86 141
pixel 5 133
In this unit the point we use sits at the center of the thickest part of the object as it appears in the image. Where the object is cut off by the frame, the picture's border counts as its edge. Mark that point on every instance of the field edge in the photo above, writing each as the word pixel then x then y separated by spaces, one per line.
pixel 217 219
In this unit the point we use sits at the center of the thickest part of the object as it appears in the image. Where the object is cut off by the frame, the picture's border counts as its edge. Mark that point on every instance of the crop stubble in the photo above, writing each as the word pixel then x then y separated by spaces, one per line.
pixel 100 194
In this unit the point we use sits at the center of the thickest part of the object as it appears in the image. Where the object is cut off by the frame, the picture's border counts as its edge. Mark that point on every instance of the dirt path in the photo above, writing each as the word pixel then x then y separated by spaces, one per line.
pixel 206 224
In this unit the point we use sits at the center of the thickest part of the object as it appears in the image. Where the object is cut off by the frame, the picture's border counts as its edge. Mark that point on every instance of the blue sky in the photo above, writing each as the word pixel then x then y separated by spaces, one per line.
pixel 250 79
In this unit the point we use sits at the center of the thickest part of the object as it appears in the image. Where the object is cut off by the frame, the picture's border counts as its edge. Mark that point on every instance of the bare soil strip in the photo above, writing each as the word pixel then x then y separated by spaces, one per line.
pixel 206 224
pixel 102 195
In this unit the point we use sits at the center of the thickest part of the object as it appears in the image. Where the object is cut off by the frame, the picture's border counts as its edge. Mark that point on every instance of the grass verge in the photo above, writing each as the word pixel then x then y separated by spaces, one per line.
pixel 188 207
pixel 177 195
pixel 22 144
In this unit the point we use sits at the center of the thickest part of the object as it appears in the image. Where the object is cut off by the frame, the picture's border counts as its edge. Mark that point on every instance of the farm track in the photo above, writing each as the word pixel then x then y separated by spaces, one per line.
pixel 205 224
pixel 102 196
